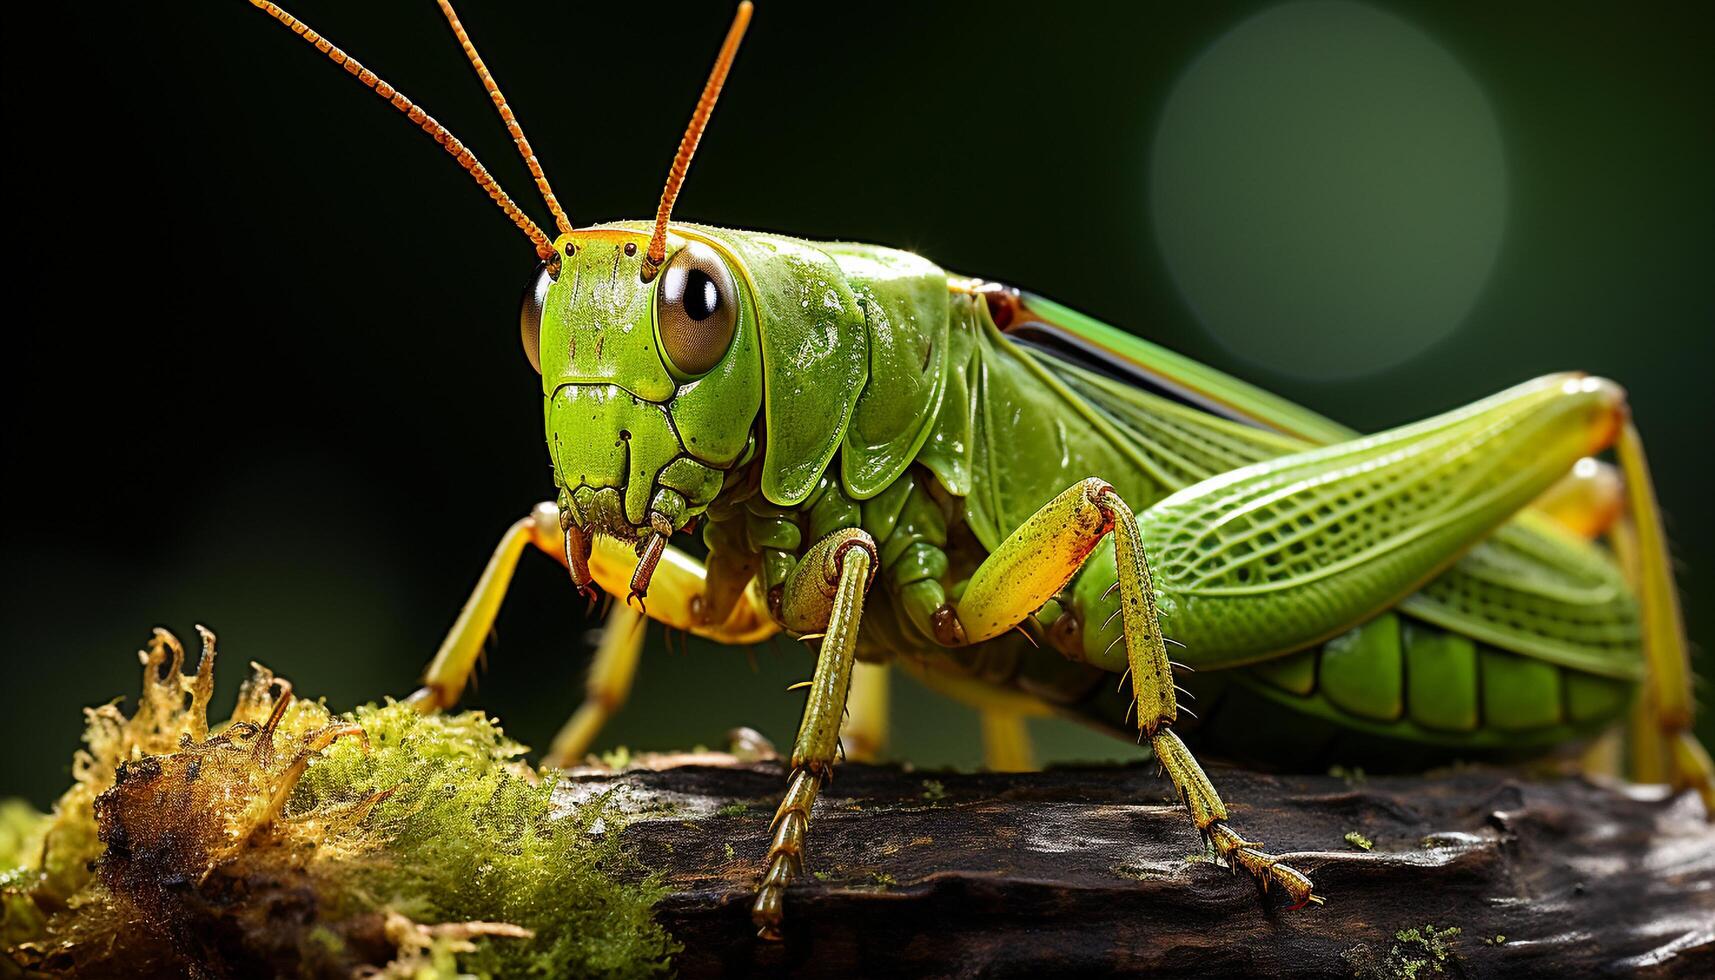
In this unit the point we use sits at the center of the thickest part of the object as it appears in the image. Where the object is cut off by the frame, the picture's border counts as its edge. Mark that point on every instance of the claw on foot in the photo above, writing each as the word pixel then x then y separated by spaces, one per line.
pixel 1266 868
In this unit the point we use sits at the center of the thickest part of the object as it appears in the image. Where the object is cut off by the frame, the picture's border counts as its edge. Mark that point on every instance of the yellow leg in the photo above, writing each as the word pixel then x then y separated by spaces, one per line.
pixel 824 593
pixel 1033 564
pixel 1006 742
pixel 608 686
pixel 974 693
pixel 675 598
pixel 1645 755
pixel 1605 756
pixel 1668 696
pixel 446 675
pixel 863 737
pixel 676 592
pixel 1003 714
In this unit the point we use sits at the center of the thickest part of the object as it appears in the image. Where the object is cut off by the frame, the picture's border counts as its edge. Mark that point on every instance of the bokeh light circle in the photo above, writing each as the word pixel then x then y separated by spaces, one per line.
pixel 1328 189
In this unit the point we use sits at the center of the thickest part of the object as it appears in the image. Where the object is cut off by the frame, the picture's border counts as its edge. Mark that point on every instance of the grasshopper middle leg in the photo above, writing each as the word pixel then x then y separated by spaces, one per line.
pixel 1035 563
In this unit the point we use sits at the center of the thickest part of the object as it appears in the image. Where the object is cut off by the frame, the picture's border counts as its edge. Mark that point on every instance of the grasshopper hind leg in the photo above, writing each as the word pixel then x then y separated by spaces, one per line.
pixel 1663 742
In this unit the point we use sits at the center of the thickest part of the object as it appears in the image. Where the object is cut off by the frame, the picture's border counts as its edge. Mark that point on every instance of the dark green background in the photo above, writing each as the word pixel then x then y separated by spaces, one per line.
pixel 266 372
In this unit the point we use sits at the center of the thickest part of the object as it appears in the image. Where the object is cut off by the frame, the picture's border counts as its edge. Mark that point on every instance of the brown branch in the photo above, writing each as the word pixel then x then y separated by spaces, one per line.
pixel 1096 871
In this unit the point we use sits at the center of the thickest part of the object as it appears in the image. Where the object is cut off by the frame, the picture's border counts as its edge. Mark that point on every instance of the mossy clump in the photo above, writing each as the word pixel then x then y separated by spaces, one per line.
pixel 1416 954
pixel 22 831
pixel 1420 952
pixel 468 838
pixel 294 841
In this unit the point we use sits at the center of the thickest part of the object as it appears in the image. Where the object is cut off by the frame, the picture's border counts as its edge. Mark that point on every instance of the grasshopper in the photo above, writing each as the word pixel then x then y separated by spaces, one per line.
pixel 1014 503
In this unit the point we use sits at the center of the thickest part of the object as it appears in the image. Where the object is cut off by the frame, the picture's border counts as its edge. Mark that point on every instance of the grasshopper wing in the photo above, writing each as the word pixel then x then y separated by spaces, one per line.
pixel 1529 588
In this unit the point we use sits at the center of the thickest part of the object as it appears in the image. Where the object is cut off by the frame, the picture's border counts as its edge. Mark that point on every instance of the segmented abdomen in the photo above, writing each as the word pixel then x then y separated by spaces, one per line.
pixel 1395 693
pixel 1399 676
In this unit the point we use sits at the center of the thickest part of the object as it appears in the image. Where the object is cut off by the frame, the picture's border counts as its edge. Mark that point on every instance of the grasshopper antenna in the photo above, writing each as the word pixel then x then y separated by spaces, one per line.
pixel 424 121
pixel 512 125
pixel 657 253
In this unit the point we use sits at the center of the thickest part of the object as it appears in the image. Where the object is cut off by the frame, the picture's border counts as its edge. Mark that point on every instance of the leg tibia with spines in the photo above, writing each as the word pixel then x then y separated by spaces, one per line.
pixel 824 593
pixel 1034 564
pixel 1153 693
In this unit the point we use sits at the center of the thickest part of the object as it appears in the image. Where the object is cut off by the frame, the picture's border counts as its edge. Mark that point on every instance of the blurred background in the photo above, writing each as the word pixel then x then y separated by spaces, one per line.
pixel 270 378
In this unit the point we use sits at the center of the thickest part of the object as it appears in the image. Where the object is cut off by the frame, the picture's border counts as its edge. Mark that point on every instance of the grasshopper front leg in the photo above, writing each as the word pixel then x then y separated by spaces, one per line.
pixel 824 593
pixel 677 594
pixel 445 677
pixel 607 688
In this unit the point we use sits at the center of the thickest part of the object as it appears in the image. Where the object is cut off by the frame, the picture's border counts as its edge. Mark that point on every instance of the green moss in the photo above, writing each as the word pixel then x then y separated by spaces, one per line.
pixel 417 844
pixel 933 789
pixel 21 831
pixel 733 810
pixel 464 836
pixel 1353 776
pixel 1420 952
pixel 1359 841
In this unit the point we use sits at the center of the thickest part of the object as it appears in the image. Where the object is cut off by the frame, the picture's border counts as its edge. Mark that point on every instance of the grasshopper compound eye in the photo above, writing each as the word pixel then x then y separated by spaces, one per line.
pixel 696 310
pixel 530 315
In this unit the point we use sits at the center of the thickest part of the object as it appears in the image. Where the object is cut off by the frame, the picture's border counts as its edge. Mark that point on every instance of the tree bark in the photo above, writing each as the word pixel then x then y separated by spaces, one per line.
pixel 1097 871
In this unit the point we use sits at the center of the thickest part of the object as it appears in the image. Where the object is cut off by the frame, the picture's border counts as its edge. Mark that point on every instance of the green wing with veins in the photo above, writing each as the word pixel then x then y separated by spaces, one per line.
pixel 1530 587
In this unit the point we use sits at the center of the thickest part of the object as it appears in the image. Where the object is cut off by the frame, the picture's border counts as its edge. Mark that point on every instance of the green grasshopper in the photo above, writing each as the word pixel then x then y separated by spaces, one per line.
pixel 1014 503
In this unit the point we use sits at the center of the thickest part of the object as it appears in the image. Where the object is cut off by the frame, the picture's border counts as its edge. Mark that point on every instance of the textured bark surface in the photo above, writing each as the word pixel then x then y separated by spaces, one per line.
pixel 1097 871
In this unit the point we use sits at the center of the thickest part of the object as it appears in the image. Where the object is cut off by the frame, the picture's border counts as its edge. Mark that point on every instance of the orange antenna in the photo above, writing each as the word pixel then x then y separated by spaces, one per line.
pixel 443 136
pixel 693 133
pixel 506 116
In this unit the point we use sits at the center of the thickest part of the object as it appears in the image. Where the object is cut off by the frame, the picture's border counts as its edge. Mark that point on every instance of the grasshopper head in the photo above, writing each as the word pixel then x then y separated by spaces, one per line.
pixel 650 385
pixel 646 340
